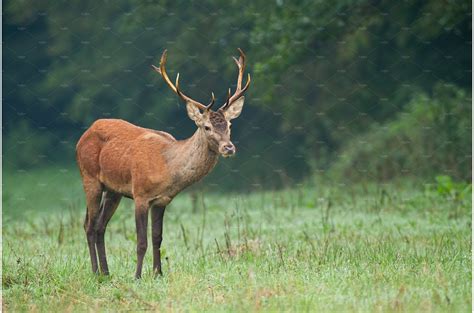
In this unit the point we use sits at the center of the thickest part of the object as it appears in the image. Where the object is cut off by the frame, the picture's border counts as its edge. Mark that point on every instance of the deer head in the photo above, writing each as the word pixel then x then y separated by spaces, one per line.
pixel 214 124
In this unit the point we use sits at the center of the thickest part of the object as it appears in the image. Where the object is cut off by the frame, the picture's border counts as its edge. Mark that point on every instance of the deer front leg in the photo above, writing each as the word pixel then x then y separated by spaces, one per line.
pixel 157 214
pixel 141 220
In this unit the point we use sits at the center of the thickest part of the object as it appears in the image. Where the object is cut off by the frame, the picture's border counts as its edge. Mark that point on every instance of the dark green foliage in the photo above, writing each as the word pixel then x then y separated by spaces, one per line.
pixel 445 186
pixel 431 135
pixel 325 73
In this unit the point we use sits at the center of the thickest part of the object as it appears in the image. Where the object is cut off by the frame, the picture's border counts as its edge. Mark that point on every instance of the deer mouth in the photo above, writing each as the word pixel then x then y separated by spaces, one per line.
pixel 228 155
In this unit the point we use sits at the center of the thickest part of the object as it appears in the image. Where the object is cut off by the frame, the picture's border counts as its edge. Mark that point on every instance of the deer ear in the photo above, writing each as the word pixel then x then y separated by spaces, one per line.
pixel 194 113
pixel 235 109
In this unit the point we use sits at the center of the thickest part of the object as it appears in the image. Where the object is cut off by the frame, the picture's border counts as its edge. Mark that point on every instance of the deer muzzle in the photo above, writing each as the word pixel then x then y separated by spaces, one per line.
pixel 227 149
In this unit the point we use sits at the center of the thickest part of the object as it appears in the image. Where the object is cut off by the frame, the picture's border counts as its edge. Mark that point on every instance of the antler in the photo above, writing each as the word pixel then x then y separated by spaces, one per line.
pixel 239 90
pixel 175 88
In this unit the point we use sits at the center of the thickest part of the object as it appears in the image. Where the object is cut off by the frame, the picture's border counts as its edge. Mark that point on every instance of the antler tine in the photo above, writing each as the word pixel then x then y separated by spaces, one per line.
pixel 239 91
pixel 228 98
pixel 175 88
pixel 213 99
pixel 241 65
pixel 228 102
pixel 180 94
pixel 237 62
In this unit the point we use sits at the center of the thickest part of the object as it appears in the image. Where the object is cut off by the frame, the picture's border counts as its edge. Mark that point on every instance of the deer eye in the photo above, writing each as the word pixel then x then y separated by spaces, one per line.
pixel 207 128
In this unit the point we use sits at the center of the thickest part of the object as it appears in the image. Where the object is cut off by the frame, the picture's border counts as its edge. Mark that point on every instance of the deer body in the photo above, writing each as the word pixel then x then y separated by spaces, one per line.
pixel 117 158
pixel 139 162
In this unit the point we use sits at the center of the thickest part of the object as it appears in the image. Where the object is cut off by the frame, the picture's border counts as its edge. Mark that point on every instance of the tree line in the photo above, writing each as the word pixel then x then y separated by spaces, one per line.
pixel 349 89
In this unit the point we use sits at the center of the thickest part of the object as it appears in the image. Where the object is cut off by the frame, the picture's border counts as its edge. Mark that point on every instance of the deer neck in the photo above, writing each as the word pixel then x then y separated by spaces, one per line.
pixel 193 159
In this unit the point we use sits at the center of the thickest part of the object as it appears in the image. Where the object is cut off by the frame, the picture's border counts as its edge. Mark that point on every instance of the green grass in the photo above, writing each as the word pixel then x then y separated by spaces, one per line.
pixel 365 248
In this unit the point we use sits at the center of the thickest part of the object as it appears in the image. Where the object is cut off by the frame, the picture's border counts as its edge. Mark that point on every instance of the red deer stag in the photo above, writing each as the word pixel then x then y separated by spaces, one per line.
pixel 151 167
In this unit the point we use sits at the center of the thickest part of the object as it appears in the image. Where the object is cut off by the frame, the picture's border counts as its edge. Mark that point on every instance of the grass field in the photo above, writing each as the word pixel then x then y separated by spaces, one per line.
pixel 364 248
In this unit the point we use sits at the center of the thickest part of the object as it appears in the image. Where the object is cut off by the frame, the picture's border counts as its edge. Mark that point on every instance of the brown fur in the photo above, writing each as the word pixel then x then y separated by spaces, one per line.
pixel 218 120
pixel 141 163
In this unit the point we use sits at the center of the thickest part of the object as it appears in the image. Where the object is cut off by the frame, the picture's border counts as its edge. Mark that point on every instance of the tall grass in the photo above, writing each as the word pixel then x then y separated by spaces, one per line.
pixel 314 248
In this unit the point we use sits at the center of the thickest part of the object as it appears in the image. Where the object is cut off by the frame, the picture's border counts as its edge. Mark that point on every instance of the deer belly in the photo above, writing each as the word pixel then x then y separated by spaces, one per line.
pixel 115 171
pixel 115 183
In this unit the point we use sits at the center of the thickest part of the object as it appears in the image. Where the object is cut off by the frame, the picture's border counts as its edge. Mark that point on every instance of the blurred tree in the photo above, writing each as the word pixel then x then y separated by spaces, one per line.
pixel 324 72
pixel 336 67
pixel 431 135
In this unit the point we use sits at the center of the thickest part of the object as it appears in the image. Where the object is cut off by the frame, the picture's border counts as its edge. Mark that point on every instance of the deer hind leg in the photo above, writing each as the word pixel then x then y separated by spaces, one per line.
pixel 93 190
pixel 110 202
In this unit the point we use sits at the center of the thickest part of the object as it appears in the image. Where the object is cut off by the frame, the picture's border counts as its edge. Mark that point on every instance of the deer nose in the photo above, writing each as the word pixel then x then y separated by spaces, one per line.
pixel 229 148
